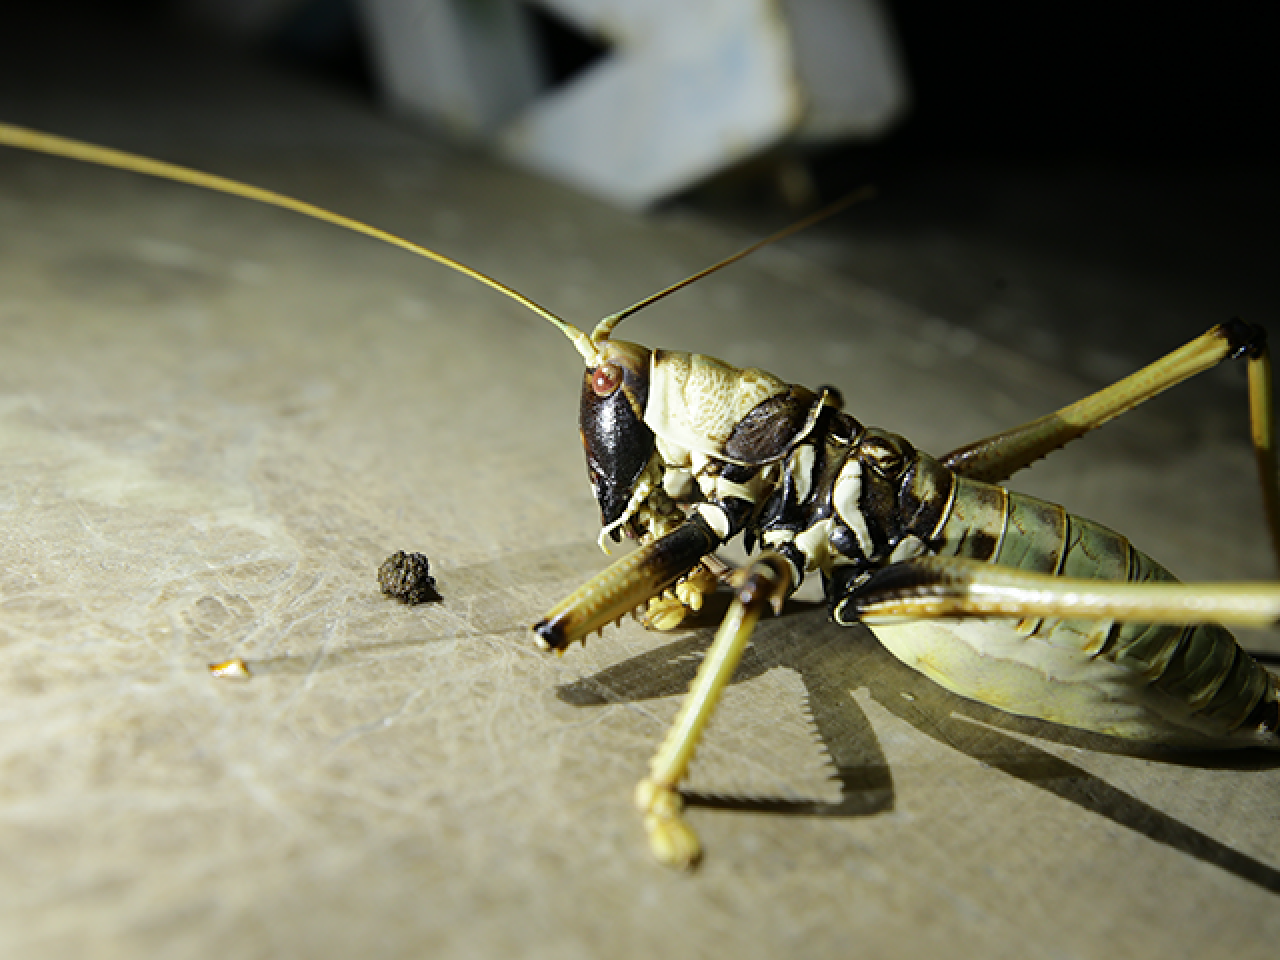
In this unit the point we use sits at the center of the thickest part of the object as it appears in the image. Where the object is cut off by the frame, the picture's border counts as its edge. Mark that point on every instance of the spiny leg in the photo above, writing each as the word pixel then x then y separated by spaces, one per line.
pixel 671 839
pixel 1159 639
pixel 998 457
pixel 626 584
pixel 953 587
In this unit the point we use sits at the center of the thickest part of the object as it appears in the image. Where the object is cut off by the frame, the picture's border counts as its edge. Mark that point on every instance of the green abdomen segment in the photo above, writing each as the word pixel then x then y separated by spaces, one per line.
pixel 1154 682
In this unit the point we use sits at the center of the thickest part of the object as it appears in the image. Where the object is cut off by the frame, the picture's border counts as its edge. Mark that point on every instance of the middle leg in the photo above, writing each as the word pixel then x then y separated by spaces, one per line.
pixel 766 583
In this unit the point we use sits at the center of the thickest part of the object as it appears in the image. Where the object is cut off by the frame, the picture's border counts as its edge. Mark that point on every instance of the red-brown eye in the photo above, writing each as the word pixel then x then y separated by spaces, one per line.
pixel 606 379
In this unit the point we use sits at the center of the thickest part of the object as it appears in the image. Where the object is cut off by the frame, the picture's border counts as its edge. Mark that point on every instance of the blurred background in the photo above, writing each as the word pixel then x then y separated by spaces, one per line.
pixel 1086 185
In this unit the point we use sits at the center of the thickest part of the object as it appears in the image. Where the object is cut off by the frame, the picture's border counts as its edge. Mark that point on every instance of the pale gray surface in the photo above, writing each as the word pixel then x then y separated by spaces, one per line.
pixel 217 419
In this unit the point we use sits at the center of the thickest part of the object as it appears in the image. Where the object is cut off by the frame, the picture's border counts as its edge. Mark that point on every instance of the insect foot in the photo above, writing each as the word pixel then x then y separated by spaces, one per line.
pixel 665 613
pixel 671 840
pixel 691 590
pixel 673 607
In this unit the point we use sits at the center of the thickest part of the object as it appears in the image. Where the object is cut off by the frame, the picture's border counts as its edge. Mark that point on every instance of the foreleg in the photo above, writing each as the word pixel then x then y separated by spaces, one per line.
pixel 626 584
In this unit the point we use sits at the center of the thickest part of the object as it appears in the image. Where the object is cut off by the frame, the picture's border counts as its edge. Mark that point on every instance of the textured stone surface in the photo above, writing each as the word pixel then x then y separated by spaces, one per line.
pixel 216 420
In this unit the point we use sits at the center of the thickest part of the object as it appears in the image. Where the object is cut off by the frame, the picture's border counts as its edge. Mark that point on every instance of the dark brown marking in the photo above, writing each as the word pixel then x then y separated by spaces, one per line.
pixel 771 428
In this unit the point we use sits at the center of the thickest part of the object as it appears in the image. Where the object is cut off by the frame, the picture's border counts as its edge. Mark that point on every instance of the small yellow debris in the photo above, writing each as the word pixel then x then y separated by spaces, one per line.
pixel 233 669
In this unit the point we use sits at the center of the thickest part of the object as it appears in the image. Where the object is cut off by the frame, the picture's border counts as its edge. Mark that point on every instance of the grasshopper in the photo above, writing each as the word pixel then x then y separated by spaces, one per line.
pixel 997 596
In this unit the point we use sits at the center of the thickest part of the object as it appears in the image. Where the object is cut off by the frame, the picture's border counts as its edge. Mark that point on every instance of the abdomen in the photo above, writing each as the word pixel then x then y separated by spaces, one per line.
pixel 1155 683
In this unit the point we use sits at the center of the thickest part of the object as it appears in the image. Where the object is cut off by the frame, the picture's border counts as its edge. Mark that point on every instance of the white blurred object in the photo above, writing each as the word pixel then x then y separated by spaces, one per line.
pixel 467 65
pixel 688 87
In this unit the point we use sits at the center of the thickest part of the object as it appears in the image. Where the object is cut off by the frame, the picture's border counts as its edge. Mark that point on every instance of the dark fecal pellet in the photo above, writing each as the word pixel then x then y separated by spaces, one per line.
pixel 406 576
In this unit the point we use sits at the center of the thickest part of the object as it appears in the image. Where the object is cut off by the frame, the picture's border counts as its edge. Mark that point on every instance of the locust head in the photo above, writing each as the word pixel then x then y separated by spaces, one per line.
pixel 626 472
pixel 619 445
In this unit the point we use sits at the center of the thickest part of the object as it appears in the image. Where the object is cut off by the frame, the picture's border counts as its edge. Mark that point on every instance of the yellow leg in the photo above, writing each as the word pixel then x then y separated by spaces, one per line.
pixel 625 584
pixel 952 587
pixel 1262 428
pixel 671 839
pixel 998 457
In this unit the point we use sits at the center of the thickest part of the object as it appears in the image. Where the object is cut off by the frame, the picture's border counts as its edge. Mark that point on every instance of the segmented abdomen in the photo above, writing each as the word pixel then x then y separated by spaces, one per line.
pixel 1193 679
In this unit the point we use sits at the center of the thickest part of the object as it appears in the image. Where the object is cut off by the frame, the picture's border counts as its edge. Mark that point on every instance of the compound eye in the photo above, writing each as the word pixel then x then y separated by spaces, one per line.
pixel 606 379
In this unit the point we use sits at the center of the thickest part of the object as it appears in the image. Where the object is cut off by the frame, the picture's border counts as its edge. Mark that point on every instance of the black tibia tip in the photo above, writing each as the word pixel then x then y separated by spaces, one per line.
pixel 406 576
pixel 626 584
pixel 1244 339
pixel 552 632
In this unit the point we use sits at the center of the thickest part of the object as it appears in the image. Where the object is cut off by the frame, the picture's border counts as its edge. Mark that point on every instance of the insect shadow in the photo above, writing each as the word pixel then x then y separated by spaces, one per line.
pixel 833 661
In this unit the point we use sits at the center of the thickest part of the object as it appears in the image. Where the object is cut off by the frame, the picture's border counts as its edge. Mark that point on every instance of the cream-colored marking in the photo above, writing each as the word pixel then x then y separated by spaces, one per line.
pixel 815 544
pixel 908 548
pixel 845 498
pixel 943 517
pixel 716 518
pixel 695 401
pixel 644 486
pixel 769 476
pixel 678 483
pixel 673 455
pixel 801 467
pixel 749 491
pixel 1004 521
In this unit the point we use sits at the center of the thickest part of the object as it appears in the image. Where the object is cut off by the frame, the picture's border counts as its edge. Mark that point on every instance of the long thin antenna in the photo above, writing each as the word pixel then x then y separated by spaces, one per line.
pixel 38 142
pixel 606 326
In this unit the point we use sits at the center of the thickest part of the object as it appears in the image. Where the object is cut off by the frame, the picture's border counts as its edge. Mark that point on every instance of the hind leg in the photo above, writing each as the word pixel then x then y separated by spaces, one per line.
pixel 998 457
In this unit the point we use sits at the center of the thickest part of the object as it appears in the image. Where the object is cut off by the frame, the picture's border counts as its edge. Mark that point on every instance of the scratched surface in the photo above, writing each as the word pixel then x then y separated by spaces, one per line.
pixel 217 419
